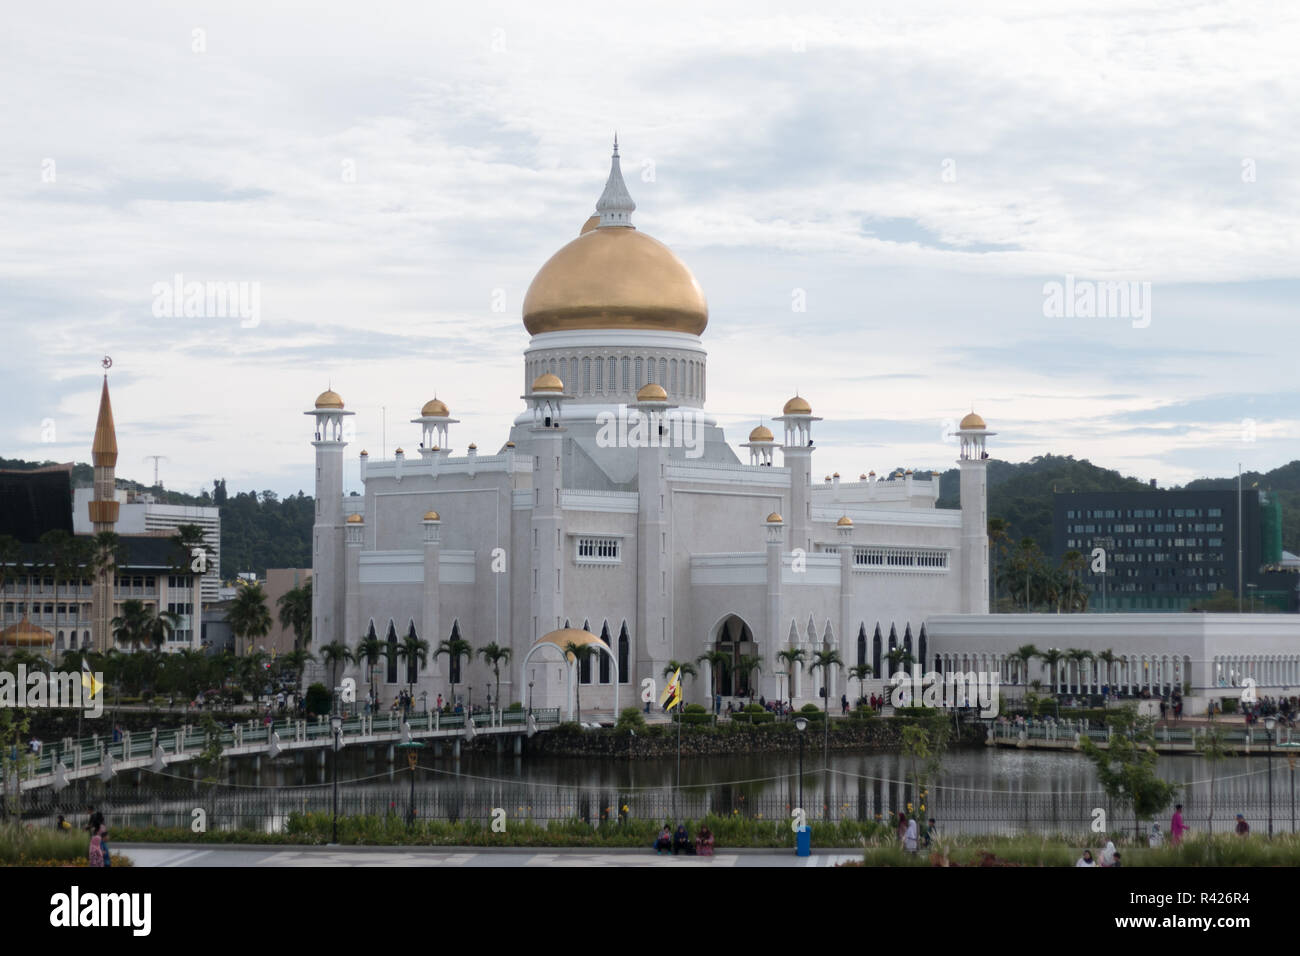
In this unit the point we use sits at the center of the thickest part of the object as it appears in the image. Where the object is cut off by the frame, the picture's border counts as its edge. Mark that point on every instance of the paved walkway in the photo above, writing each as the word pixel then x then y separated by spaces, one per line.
pixel 146 855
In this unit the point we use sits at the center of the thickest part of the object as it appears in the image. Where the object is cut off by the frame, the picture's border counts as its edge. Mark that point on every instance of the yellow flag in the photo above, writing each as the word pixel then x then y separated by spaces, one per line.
pixel 88 681
pixel 672 695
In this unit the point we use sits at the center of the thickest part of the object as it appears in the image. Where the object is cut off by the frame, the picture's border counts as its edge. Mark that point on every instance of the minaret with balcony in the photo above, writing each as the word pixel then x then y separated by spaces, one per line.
pixel 546 400
pixel 973 466
pixel 329 585
pixel 796 452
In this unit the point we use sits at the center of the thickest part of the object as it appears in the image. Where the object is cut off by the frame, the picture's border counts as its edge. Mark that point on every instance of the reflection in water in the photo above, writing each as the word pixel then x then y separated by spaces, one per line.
pixel 977 790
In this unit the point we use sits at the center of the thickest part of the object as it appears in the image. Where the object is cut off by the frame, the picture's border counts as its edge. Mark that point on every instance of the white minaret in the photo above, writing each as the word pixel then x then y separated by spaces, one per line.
pixel 973 464
pixel 761 444
pixel 546 398
pixel 431 622
pixel 775 549
pixel 433 421
pixel 654 612
pixel 796 453
pixel 329 584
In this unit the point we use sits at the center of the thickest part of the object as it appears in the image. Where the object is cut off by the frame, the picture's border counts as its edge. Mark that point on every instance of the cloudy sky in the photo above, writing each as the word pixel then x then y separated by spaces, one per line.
pixel 389 176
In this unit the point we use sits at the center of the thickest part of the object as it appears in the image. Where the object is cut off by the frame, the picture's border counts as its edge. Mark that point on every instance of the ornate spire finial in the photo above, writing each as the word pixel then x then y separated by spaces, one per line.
pixel 615 205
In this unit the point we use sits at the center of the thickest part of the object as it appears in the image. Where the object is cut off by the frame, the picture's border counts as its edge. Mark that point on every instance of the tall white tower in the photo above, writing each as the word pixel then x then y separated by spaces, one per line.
pixel 796 454
pixel 973 465
pixel 329 585
pixel 546 398
pixel 654 612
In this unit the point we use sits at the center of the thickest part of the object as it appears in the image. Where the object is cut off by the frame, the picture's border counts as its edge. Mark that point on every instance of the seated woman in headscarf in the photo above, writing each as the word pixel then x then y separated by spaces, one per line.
pixel 1108 854
pixel 704 842
pixel 96 850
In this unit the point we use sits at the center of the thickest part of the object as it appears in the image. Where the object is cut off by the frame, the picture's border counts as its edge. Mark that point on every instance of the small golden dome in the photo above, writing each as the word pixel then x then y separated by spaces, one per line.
pixel 844 522
pixel 651 392
pixel 972 421
pixel 400 452
pixel 774 518
pixel 435 448
pixel 872 474
pixel 862 477
pixel 908 472
pixel 836 475
pixel 589 225
pixel 364 453
pixel 797 406
pixel 435 409
pixel 355 519
pixel 329 399
pixel 548 382
pixel 510 444
pixel 473 447
pixel 431 516
pixel 828 478
pixel 615 278
pixel 761 433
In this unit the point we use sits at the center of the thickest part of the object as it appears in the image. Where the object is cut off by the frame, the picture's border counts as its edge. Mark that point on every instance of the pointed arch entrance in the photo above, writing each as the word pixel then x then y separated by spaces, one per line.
pixel 734 638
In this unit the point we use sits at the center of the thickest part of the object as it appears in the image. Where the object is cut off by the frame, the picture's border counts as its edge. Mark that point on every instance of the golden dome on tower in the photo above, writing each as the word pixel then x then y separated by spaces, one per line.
pixel 548 382
pixel 761 433
pixel 650 392
pixel 431 516
pixel 355 519
pixel 844 522
pixel 774 518
pixel 329 399
pixel 972 421
pixel 435 409
pixel 797 406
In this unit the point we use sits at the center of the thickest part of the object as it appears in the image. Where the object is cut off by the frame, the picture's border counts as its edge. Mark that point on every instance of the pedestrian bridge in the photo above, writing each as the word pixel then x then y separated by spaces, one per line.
pixel 100 756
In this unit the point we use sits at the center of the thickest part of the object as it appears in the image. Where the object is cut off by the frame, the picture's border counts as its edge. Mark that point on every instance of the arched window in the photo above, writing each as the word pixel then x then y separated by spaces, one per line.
pixel 453 669
pixel 564 372
pixel 875 651
pixel 85 639
pixel 663 372
pixel 624 652
pixel 600 375
pixel 609 373
pixel 907 641
pixel 584 669
pixel 672 378
pixel 627 374
pixel 412 662
pixel 391 676
pixel 862 645
pixel 604 658
pixel 639 381
pixel 586 376
pixel 921 647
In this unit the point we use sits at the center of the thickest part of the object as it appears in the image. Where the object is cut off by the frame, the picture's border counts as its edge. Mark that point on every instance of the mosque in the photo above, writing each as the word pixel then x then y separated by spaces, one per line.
pixel 616 507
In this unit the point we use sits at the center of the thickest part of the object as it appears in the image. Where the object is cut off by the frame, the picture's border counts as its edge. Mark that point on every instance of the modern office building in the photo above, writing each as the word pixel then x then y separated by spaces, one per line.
pixel 1168 550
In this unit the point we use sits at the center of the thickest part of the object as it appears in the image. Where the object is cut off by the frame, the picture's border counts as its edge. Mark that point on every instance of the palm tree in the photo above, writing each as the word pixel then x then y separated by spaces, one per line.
pixel 160 625
pixel 1077 656
pixel 860 673
pixel 1051 658
pixel 899 657
pixel 248 615
pixel 1025 653
pixel 826 660
pixel 687 669
pixel 790 656
pixel 1108 657
pixel 494 656
pixel 332 655
pixel 252 672
pixel 717 661
pixel 414 650
pixel 295 613
pixel 1076 598
pixel 998 539
pixel 578 655
pixel 456 649
pixel 747 665
pixel 370 649
pixel 295 662
pixel 131 627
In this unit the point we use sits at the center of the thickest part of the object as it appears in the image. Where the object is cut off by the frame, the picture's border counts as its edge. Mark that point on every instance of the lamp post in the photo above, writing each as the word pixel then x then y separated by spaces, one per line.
pixel 336 727
pixel 412 748
pixel 530 698
pixel 801 724
pixel 1252 588
pixel 1269 723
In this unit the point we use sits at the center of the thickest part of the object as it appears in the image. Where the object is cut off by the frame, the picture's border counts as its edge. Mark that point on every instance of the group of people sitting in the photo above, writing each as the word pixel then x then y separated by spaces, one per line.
pixel 680 841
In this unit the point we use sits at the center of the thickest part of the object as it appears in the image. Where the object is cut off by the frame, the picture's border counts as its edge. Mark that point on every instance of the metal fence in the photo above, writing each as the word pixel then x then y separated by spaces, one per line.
pixel 835 799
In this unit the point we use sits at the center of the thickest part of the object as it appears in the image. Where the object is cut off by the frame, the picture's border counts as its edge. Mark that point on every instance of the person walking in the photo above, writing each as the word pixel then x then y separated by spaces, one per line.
pixel 1243 828
pixel 96 850
pixel 902 827
pixel 910 836
pixel 1176 826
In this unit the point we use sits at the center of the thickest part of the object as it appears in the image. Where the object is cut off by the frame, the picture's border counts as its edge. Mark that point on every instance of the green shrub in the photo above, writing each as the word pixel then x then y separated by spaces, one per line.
pixel 516 706
pixel 630 719
pixel 318 701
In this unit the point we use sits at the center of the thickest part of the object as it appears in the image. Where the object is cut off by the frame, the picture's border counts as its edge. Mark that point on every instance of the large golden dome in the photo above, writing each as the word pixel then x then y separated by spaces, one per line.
pixel 615 277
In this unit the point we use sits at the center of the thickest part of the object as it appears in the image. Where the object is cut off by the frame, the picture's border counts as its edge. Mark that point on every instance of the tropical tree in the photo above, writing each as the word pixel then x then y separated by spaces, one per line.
pixel 131 627
pixel 578 655
pixel 369 651
pixel 295 662
pixel 248 615
pixel 295 613
pixel 413 650
pixel 900 658
pixel 860 673
pixel 717 661
pixel 1052 657
pixel 1074 595
pixel 826 660
pixel 1077 656
pixel 747 666
pixel 11 556
pixel 159 626
pixel 456 649
pixel 1108 657
pixel 1025 653
pixel 1126 769
pixel 998 540
pixel 1214 748
pixel 687 669
pixel 790 656
pixel 494 656
pixel 332 655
